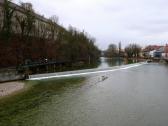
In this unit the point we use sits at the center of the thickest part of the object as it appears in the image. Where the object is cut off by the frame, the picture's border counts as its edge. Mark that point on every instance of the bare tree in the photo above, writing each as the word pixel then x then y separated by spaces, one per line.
pixel 29 19
pixel 7 19
pixel 53 21
pixel 133 50
pixel 43 30
pixel 22 23
pixel 111 51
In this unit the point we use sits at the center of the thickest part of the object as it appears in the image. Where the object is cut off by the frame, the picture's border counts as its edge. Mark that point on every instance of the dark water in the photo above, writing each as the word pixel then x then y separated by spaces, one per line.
pixel 130 97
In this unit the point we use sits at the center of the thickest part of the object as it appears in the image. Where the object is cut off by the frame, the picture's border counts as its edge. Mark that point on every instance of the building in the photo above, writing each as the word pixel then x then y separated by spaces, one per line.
pixel 40 23
pixel 165 52
pixel 155 54
pixel 152 51
pixel 155 51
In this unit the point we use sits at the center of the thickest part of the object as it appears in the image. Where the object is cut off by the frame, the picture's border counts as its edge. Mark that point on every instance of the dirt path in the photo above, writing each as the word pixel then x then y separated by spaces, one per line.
pixel 10 87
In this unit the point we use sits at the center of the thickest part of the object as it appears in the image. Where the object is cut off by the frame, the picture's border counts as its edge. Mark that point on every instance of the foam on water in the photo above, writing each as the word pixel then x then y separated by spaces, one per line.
pixel 124 67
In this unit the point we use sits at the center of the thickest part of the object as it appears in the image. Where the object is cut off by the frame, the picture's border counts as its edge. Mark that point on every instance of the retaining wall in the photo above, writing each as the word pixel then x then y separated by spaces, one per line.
pixel 10 75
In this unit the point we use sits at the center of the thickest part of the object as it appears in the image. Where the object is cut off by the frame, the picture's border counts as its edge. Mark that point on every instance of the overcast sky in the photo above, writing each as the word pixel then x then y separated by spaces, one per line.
pixel 111 21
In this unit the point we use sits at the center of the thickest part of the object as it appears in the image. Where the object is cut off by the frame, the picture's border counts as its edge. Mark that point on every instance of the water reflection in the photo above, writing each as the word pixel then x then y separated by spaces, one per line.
pixel 110 62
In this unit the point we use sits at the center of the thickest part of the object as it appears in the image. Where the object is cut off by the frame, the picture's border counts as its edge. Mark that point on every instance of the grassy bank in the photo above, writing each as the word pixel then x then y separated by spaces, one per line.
pixel 18 109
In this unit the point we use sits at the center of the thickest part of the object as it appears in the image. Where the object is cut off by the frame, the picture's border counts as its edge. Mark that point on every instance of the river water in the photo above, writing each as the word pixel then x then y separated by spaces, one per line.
pixel 129 97
pixel 110 62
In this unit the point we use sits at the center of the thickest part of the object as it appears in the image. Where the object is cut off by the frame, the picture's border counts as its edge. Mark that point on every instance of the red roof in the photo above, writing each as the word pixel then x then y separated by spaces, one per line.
pixel 152 47
pixel 166 48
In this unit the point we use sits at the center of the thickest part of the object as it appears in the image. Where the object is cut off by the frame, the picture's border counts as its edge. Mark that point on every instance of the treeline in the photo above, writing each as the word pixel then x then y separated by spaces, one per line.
pixel 130 51
pixel 114 51
pixel 133 51
pixel 28 37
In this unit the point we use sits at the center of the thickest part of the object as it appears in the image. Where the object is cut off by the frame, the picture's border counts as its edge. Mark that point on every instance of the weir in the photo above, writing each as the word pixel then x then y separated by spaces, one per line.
pixel 83 72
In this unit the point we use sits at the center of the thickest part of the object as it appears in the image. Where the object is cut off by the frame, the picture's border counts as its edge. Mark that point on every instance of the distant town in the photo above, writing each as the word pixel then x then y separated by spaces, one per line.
pixel 136 51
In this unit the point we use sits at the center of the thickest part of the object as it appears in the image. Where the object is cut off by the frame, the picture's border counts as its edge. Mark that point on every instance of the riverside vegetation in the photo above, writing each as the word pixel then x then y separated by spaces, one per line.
pixel 18 109
pixel 22 40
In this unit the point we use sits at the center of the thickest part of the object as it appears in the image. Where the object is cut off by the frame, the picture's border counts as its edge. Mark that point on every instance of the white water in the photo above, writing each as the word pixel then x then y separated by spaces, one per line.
pixel 95 71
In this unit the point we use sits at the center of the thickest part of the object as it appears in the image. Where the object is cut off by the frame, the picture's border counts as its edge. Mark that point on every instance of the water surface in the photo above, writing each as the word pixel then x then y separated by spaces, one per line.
pixel 110 62
pixel 130 97
pixel 133 97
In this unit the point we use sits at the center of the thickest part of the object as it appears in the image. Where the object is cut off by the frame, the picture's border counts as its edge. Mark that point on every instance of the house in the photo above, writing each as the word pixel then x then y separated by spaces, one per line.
pixel 153 51
pixel 165 52
pixel 159 52
pixel 155 54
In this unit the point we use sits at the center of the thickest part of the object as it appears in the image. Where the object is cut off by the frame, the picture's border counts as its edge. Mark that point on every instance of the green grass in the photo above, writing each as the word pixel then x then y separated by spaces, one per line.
pixel 18 109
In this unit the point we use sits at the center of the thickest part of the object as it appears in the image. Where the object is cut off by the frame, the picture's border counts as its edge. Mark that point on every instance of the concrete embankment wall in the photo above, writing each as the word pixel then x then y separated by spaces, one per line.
pixel 10 75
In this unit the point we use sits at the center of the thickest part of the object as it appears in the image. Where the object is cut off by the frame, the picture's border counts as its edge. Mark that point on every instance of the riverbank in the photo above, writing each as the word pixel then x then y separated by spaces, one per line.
pixel 9 88
pixel 10 74
pixel 22 107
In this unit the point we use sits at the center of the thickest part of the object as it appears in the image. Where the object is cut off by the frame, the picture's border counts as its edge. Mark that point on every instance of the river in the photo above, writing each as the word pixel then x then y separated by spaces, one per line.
pixel 129 97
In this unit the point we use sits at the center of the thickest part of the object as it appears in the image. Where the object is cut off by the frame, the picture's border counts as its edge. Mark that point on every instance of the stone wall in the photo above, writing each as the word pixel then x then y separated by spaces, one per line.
pixel 10 75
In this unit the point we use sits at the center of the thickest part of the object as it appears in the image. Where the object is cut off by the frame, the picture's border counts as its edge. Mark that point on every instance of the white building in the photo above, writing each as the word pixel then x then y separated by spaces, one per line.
pixel 151 53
